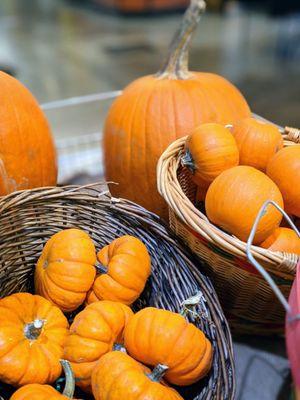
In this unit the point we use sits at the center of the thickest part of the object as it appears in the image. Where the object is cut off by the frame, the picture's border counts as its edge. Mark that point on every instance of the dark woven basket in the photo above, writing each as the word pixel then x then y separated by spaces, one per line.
pixel 29 218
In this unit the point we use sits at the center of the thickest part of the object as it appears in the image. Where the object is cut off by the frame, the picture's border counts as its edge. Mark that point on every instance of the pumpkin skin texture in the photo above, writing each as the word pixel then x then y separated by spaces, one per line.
pixel 234 199
pixel 118 376
pixel 66 270
pixel 155 336
pixel 27 152
pixel 32 334
pixel 155 110
pixel 93 333
pixel 284 170
pixel 257 142
pixel 126 265
pixel 210 150
pixel 283 239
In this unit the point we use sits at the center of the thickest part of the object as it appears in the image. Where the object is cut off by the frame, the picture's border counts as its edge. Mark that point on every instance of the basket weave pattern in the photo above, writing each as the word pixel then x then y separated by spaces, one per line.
pixel 245 296
pixel 29 218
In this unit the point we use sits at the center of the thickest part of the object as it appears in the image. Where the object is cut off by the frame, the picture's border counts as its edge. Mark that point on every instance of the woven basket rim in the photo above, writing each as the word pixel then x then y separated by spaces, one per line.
pixel 282 264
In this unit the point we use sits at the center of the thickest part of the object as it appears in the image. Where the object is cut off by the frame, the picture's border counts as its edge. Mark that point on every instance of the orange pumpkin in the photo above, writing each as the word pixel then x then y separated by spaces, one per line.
pixel 210 150
pixel 234 199
pixel 155 110
pixel 257 142
pixel 27 152
pixel 32 335
pixel 35 391
pixel 125 265
pixel 94 332
pixel 284 170
pixel 283 239
pixel 155 336
pixel 66 270
pixel 118 376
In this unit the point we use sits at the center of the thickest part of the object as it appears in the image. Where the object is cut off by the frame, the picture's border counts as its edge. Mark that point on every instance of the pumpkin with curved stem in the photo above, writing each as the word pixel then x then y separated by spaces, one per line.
pixel 32 334
pixel 125 265
pixel 155 110
pixel 154 336
pixel 210 149
pixel 118 376
pixel 66 270
pixel 283 239
pixel 234 199
pixel 257 142
pixel 35 391
pixel 284 170
pixel 94 332
pixel 27 152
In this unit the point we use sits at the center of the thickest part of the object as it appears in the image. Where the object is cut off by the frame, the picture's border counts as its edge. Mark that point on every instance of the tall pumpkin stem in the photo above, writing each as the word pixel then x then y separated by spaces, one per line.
pixel 176 64
pixel 33 330
pixel 158 372
pixel 70 379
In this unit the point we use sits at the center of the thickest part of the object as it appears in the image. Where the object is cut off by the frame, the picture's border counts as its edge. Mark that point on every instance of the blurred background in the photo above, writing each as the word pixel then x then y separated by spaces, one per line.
pixel 68 48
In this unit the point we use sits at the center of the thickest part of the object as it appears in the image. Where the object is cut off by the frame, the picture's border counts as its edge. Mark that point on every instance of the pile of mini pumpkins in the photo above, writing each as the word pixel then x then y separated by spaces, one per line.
pixel 110 349
pixel 239 167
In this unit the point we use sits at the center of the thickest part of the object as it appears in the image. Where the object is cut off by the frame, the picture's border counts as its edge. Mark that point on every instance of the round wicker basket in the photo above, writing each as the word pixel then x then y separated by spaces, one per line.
pixel 248 301
pixel 29 218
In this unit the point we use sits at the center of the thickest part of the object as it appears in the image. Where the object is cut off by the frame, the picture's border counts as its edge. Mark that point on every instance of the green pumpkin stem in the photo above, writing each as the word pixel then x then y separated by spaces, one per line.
pixel 176 64
pixel 33 330
pixel 101 269
pixel 187 161
pixel 70 379
pixel 158 372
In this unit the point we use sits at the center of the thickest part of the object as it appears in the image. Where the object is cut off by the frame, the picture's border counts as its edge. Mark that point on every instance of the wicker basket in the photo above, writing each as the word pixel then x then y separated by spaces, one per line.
pixel 248 301
pixel 29 218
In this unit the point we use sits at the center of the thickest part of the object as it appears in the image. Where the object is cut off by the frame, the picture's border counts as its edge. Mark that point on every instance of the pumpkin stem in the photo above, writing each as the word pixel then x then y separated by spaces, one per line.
pixel 119 347
pixel 70 379
pixel 33 330
pixel 101 269
pixel 158 372
pixel 176 64
pixel 187 161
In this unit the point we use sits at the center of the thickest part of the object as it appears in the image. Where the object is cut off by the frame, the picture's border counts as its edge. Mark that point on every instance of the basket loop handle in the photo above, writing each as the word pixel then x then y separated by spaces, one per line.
pixel 256 264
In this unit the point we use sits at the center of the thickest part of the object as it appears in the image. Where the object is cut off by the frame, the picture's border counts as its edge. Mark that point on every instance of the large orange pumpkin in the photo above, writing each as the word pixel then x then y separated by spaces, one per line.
pixel 66 269
pixel 209 150
pixel 257 142
pixel 94 332
pixel 283 239
pixel 235 197
pixel 32 335
pixel 284 170
pixel 155 110
pixel 119 377
pixel 155 336
pixel 27 153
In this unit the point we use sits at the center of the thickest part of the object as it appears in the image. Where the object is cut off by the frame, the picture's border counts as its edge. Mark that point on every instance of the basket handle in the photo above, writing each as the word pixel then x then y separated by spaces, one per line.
pixel 256 264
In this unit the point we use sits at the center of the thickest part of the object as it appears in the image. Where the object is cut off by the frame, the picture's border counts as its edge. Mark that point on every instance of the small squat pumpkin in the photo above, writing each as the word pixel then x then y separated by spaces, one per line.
pixel 234 199
pixel 32 334
pixel 117 376
pixel 125 265
pixel 94 332
pixel 210 150
pixel 284 170
pixel 257 142
pixel 154 336
pixel 35 391
pixel 66 270
pixel 283 239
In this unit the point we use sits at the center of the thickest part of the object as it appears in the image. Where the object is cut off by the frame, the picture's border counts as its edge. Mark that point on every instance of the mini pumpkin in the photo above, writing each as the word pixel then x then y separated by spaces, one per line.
pixel 32 334
pixel 234 199
pixel 284 170
pixel 257 142
pixel 35 391
pixel 125 265
pixel 94 332
pixel 283 239
pixel 155 336
pixel 66 270
pixel 118 376
pixel 209 150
